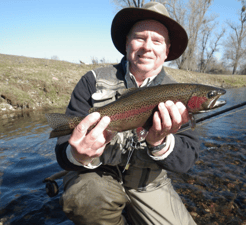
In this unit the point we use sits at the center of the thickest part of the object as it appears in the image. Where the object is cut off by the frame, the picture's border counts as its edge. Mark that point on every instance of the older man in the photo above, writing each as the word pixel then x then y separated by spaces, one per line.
pixel 112 173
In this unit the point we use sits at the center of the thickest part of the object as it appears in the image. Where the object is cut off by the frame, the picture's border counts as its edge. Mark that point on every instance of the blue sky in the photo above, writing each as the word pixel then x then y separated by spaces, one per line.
pixel 71 30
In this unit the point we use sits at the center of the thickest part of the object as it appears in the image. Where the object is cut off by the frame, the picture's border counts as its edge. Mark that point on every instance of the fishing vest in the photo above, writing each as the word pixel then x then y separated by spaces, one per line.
pixel 125 150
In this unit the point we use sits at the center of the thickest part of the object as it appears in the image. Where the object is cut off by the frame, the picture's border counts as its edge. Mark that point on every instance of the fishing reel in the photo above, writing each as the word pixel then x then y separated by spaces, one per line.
pixel 51 187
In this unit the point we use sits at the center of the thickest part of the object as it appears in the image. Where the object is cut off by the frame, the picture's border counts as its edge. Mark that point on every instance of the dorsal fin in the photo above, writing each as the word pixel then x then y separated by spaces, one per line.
pixel 126 92
pixel 123 92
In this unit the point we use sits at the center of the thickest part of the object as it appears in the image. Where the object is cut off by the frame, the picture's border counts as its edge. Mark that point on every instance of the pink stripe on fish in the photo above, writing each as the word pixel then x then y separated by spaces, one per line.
pixel 131 113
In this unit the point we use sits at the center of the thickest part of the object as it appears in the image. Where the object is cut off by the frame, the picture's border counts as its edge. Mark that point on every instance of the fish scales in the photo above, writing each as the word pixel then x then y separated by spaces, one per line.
pixel 135 109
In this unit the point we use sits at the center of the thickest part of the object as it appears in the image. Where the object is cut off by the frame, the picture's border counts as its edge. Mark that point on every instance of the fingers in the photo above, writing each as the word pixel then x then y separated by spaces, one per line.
pixel 88 139
pixel 170 117
pixel 82 128
pixel 164 118
pixel 183 112
pixel 96 134
pixel 175 117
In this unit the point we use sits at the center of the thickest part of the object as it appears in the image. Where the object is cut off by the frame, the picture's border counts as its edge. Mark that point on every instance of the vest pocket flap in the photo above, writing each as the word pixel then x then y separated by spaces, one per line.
pixel 101 95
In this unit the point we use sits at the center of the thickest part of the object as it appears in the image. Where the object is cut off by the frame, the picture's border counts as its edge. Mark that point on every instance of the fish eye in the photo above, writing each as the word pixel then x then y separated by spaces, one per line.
pixel 212 94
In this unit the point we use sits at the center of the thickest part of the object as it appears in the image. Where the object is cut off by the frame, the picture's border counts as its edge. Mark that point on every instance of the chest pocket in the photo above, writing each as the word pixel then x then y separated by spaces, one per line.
pixel 107 91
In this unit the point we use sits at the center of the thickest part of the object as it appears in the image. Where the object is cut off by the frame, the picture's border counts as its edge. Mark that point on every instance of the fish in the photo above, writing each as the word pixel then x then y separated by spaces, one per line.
pixel 135 108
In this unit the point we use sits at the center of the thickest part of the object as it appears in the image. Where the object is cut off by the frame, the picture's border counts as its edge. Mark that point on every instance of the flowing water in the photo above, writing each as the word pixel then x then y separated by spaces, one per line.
pixel 214 190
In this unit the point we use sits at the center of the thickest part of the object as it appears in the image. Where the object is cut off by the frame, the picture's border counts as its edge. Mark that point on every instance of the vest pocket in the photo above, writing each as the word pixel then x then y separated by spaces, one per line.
pixel 107 92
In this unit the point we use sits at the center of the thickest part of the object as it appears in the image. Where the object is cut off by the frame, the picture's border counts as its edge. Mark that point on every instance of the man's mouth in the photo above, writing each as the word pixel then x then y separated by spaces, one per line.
pixel 144 57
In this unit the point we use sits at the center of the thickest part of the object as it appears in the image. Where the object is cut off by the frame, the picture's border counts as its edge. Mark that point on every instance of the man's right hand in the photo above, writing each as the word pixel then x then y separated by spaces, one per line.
pixel 87 144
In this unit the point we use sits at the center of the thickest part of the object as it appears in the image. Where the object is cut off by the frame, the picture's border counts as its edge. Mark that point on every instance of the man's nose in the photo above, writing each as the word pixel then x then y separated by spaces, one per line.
pixel 147 44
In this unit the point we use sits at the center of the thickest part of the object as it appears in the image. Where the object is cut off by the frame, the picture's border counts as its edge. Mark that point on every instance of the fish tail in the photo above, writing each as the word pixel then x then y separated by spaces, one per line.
pixel 62 124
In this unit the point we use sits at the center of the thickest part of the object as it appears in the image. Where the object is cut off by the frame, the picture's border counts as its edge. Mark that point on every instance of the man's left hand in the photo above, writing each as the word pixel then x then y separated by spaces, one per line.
pixel 168 119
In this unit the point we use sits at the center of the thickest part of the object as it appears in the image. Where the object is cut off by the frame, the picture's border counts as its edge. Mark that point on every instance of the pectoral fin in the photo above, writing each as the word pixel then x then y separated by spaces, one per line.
pixel 192 121
pixel 109 135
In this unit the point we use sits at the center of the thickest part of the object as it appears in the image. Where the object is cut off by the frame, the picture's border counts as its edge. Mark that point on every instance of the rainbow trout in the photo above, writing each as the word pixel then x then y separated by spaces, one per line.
pixel 136 108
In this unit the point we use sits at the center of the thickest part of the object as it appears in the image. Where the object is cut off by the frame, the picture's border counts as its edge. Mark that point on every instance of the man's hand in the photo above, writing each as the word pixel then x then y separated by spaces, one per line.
pixel 167 120
pixel 86 145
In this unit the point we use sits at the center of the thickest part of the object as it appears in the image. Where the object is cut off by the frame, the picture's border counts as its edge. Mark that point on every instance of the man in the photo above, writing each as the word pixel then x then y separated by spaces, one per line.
pixel 109 174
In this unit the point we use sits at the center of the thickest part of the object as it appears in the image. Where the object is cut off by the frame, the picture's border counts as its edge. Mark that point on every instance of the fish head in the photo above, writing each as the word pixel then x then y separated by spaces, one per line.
pixel 205 98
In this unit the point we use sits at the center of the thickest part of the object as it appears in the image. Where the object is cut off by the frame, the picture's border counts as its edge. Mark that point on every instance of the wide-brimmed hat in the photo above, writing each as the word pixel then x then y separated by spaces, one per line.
pixel 127 17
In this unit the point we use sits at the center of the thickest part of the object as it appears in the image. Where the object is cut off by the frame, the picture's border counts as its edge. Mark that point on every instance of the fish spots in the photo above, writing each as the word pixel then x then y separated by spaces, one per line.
pixel 72 124
pixel 195 103
pixel 131 113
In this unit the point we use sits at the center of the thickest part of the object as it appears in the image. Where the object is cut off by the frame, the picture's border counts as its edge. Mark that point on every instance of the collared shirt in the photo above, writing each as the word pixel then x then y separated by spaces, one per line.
pixel 130 77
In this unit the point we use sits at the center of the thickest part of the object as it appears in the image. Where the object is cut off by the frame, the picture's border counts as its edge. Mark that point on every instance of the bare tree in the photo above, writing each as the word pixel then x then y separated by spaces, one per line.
pixel 191 16
pixel 217 67
pixel 208 45
pixel 129 3
pixel 54 57
pixel 243 2
pixel 94 60
pixel 235 46
pixel 206 33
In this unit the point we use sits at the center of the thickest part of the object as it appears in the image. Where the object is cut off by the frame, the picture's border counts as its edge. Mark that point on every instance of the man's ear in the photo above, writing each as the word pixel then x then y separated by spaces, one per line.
pixel 127 42
pixel 167 49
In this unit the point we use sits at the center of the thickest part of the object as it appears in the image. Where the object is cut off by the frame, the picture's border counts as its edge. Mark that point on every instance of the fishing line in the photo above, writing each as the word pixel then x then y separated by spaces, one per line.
pixel 201 121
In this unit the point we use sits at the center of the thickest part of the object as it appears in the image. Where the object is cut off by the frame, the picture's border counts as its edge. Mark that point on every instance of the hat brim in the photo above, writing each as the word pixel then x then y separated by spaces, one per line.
pixel 126 18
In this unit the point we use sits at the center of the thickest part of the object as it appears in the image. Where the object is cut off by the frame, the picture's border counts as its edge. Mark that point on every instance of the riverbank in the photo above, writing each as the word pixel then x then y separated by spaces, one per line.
pixel 31 83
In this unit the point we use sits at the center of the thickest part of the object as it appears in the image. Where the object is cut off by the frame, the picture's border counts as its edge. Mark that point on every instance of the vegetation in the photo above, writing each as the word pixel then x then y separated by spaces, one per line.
pixel 29 83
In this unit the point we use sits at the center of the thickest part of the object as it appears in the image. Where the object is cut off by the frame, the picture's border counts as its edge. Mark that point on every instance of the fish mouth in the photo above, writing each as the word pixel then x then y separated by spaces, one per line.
pixel 218 104
pixel 215 103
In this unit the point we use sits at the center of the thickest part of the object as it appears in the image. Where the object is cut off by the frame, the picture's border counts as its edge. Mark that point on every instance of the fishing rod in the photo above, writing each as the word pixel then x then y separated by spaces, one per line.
pixel 214 114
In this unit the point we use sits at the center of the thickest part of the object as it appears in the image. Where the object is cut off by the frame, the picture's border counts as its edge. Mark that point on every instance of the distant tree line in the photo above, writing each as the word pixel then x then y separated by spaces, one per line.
pixel 206 38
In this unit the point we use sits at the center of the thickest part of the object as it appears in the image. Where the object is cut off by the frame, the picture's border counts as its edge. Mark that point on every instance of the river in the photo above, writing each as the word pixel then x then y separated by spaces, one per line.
pixel 214 190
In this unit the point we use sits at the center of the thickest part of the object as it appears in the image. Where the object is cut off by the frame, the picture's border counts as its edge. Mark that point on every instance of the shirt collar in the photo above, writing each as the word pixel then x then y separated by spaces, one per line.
pixel 131 80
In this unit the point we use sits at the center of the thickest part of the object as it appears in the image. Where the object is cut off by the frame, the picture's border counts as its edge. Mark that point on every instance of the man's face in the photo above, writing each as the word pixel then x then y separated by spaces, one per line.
pixel 147 47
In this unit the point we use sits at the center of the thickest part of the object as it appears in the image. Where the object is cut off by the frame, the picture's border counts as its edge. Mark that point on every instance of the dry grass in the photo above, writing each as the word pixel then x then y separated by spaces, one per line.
pixel 30 83
pixel 225 81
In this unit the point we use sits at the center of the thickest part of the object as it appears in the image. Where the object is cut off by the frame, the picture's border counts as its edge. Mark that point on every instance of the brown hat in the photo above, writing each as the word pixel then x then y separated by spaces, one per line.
pixel 127 17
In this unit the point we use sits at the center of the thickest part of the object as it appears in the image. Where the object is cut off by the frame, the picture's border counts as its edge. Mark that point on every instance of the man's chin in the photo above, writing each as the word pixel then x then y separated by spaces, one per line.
pixel 145 67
